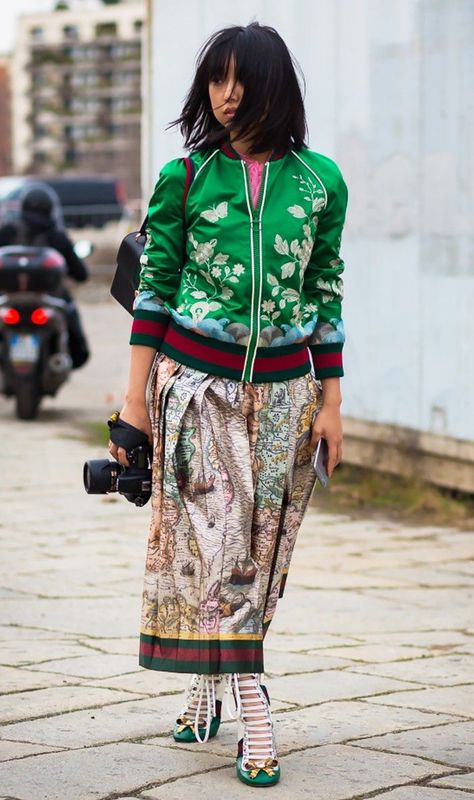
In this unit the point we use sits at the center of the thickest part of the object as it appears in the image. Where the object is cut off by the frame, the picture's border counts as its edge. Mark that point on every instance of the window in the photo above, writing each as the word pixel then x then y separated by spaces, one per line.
pixel 91 51
pixel 138 25
pixel 85 79
pixel 71 32
pixel 70 157
pixel 40 131
pixel 38 80
pixel 91 131
pixel 40 157
pixel 36 34
pixel 121 78
pixel 106 29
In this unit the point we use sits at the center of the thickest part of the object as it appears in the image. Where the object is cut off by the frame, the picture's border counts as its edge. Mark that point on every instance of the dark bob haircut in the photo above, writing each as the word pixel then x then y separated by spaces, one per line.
pixel 271 112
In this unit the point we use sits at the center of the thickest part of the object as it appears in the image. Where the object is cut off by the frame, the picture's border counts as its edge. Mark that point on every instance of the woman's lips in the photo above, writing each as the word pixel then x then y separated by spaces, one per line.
pixel 230 112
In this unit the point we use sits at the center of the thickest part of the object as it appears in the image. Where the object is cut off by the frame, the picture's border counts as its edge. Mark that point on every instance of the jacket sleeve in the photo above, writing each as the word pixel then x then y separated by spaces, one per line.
pixel 323 285
pixel 7 235
pixel 76 267
pixel 162 257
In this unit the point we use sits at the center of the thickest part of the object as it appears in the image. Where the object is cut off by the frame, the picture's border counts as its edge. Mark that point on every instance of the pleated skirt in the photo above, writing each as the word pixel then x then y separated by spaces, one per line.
pixel 232 477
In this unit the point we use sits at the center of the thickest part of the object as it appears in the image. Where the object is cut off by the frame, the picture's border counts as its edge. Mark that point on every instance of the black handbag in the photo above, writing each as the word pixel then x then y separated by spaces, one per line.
pixel 127 275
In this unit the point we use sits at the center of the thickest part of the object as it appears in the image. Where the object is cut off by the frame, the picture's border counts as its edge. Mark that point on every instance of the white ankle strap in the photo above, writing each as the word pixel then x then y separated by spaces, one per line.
pixel 232 696
pixel 202 687
pixel 238 686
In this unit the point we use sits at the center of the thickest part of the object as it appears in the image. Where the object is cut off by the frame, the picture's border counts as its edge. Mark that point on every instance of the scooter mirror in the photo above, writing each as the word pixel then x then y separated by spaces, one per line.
pixel 83 248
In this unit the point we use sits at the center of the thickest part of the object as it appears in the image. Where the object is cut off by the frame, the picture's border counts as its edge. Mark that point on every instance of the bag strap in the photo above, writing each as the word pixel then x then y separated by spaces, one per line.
pixel 190 173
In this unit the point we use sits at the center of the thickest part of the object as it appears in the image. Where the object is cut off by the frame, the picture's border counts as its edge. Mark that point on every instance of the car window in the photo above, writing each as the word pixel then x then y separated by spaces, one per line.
pixel 84 191
pixel 10 187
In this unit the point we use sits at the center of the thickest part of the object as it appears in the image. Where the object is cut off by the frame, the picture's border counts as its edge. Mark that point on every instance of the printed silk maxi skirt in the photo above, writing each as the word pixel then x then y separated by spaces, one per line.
pixel 232 477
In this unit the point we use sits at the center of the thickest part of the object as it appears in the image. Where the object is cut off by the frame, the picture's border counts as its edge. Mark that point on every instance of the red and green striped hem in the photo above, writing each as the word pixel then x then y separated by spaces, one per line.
pixel 149 328
pixel 327 360
pixel 227 359
pixel 205 656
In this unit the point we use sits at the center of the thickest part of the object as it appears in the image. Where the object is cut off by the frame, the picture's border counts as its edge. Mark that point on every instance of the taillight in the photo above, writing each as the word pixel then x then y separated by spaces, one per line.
pixel 40 316
pixel 10 316
pixel 120 194
pixel 52 260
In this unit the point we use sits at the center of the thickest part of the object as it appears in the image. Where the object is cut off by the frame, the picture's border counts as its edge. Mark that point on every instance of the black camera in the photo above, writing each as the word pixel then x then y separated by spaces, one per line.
pixel 102 476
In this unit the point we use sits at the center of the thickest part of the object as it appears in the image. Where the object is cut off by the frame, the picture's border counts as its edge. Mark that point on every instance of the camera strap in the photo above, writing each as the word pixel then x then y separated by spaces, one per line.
pixel 125 435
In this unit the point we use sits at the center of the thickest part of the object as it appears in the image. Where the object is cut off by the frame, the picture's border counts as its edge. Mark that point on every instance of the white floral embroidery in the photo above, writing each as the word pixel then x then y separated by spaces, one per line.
pixel 334 288
pixel 221 258
pixel 312 194
pixel 281 245
pixel 297 252
pixel 318 204
pixel 216 272
pixel 297 211
pixel 200 310
pixel 268 306
pixel 203 252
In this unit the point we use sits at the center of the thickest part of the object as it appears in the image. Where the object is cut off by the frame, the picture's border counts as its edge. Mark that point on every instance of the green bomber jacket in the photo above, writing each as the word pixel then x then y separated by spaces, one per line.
pixel 242 292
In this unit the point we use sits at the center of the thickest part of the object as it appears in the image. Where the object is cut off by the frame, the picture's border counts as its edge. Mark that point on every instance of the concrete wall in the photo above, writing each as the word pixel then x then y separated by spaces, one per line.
pixel 389 97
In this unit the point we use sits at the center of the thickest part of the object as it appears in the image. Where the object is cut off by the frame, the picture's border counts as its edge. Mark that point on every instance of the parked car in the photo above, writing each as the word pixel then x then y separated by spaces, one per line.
pixel 86 201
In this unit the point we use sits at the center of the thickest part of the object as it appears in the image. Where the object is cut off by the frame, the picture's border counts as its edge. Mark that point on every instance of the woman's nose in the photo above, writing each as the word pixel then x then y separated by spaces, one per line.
pixel 230 89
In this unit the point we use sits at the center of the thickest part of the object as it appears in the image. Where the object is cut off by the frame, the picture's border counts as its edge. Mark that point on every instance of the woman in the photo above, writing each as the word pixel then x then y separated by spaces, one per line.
pixel 240 291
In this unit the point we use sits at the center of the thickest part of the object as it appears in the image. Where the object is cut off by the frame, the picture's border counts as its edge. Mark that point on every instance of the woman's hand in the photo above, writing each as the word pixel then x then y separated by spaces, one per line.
pixel 134 412
pixel 328 425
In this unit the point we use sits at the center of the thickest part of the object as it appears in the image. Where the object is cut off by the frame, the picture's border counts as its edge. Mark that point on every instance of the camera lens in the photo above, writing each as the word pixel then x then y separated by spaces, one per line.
pixel 100 476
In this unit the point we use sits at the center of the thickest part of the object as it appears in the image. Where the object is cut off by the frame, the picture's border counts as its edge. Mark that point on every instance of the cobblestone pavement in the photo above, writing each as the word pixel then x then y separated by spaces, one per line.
pixel 369 658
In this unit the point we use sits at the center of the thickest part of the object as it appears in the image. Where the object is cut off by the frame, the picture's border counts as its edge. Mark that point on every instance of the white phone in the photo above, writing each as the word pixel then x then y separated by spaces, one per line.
pixel 320 460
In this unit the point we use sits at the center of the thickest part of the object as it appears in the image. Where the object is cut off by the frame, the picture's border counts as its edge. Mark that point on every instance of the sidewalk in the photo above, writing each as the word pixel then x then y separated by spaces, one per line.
pixel 369 658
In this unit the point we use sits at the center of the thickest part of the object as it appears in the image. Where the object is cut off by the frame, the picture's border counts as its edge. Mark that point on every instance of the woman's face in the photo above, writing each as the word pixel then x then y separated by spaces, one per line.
pixel 225 95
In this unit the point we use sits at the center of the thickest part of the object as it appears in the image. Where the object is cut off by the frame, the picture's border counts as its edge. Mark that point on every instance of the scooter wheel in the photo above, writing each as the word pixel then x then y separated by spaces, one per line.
pixel 27 398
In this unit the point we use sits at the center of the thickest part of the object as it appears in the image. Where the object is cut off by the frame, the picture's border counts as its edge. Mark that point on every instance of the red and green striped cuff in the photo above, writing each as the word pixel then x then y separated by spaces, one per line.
pixel 149 328
pixel 327 360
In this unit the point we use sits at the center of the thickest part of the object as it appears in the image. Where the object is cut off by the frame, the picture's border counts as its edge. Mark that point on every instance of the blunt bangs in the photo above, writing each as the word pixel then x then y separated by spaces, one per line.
pixel 271 112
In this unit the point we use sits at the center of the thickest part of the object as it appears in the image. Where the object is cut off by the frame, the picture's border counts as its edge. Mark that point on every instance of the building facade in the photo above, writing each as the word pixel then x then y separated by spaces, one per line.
pixel 5 117
pixel 77 92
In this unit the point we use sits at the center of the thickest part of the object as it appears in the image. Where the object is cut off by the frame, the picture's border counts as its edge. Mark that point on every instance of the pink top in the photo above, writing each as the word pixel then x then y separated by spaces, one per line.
pixel 255 173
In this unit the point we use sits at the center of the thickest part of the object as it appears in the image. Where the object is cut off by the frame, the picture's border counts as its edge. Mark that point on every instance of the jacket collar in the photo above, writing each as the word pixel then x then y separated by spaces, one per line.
pixel 229 151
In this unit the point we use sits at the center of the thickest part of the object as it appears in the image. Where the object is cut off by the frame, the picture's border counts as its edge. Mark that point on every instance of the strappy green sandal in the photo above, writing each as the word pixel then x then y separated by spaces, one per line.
pixel 187 727
pixel 257 760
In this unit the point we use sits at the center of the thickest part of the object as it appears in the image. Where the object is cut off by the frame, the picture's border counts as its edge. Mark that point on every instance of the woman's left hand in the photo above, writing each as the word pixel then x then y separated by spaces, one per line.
pixel 328 425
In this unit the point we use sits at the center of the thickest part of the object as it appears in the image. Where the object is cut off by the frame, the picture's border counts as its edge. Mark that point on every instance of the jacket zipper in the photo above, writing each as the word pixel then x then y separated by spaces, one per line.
pixel 256 256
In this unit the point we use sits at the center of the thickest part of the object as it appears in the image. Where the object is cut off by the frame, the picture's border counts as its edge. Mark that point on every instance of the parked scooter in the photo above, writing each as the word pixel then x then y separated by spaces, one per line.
pixel 34 352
